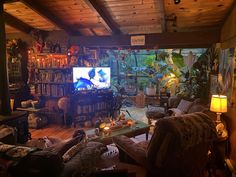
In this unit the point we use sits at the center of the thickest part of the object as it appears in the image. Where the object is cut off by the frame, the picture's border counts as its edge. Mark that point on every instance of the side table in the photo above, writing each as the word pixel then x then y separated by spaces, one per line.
pixel 219 151
pixel 36 117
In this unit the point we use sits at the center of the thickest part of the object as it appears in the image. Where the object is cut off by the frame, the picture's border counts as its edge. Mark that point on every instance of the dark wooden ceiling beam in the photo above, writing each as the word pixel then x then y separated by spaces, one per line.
pixel 229 12
pixel 163 40
pixel 10 1
pixel 16 23
pixel 47 14
pixel 161 8
pixel 106 17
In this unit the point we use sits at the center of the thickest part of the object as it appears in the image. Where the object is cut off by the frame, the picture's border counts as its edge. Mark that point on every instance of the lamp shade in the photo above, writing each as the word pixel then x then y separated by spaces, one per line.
pixel 218 103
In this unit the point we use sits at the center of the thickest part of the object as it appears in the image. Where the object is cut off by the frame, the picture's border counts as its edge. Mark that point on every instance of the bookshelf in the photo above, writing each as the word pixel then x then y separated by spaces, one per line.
pixel 50 74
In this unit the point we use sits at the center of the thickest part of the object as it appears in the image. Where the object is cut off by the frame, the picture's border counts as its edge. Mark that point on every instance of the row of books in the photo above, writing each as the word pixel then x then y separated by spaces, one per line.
pixel 56 77
pixel 51 90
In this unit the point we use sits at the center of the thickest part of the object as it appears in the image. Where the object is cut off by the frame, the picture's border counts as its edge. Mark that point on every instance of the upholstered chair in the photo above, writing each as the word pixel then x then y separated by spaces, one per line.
pixel 179 146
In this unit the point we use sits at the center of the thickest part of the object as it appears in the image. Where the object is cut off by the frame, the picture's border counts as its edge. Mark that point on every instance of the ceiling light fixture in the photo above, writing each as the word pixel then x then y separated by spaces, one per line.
pixel 177 1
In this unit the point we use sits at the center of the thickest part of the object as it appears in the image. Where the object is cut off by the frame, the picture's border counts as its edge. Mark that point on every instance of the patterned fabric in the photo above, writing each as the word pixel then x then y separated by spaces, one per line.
pixel 5 131
pixel 84 162
pixel 11 155
pixel 184 105
pixel 72 151
pixel 178 147
pixel 14 152
pixel 136 151
pixel 189 129
pixel 155 112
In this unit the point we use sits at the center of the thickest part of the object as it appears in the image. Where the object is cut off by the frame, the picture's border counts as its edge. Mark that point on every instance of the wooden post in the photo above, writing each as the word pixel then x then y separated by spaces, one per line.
pixel 4 90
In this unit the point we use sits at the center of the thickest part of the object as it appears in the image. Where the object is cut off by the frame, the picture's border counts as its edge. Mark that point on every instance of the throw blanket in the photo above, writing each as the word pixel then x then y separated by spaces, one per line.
pixel 10 155
pixel 6 130
pixel 189 129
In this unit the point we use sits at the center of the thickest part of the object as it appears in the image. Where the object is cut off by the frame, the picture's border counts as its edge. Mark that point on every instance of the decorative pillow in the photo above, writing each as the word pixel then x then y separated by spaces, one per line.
pixel 184 105
pixel 72 151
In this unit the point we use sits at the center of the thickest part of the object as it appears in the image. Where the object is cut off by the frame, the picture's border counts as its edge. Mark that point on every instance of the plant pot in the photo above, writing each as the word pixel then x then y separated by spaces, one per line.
pixel 151 91
pixel 140 100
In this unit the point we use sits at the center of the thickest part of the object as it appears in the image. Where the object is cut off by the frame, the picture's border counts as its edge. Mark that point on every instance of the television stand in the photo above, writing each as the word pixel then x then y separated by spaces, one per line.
pixel 91 105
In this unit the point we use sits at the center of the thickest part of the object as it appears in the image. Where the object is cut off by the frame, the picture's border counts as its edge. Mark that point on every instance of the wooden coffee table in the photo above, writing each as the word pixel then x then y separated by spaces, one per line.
pixel 137 129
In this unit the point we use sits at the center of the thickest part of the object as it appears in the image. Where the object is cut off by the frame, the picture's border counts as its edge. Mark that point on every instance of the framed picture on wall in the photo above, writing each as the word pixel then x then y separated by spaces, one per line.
pixel 93 54
pixel 213 84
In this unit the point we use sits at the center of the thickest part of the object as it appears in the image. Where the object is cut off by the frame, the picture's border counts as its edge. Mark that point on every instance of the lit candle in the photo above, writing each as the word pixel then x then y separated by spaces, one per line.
pixel 130 123
pixel 106 130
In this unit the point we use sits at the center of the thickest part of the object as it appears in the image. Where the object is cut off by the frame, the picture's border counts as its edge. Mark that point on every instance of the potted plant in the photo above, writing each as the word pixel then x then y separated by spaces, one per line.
pixel 151 89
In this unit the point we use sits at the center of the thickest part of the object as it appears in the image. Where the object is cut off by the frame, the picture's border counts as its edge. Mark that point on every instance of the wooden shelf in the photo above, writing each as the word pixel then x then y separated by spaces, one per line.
pixel 67 68
pixel 50 54
pixel 54 83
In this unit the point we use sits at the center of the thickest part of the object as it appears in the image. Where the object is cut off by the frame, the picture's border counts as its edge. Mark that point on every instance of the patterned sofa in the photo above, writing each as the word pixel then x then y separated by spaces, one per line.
pixel 176 106
pixel 178 148
pixel 66 159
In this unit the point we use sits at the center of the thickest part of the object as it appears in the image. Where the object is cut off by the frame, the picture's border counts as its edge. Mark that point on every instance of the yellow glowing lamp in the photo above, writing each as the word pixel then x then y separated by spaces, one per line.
pixel 218 105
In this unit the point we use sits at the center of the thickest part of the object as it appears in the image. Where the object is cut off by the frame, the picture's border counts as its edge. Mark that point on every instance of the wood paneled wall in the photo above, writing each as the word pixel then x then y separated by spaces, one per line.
pixel 228 32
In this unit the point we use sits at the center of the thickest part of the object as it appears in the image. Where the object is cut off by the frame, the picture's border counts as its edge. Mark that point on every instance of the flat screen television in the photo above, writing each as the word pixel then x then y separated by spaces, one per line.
pixel 87 78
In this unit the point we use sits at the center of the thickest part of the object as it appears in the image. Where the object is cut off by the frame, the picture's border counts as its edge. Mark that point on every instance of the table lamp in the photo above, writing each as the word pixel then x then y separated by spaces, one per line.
pixel 219 105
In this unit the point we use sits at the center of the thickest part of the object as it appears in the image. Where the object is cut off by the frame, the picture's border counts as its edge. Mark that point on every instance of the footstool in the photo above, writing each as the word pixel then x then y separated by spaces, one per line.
pixel 155 113
pixel 37 121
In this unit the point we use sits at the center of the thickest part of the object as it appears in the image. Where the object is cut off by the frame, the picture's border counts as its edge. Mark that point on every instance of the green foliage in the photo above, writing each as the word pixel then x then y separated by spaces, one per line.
pixel 178 60
pixel 194 82
pixel 149 60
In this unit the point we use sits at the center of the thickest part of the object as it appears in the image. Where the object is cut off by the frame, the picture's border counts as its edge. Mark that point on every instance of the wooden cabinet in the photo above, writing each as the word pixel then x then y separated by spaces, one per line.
pixel 19 120
pixel 91 105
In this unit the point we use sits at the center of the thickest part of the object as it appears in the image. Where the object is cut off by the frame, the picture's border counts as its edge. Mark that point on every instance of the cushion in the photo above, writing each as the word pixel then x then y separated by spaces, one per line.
pixel 174 101
pixel 184 105
pixel 39 163
pixel 155 112
pixel 134 150
pixel 72 151
pixel 6 130
pixel 62 147
pixel 85 160
pixel 197 108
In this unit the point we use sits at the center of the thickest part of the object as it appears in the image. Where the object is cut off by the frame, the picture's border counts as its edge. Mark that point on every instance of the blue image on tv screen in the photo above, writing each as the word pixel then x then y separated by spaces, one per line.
pixel 86 78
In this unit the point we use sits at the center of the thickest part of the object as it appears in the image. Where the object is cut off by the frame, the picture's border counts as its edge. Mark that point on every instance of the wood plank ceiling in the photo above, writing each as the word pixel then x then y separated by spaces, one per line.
pixel 107 17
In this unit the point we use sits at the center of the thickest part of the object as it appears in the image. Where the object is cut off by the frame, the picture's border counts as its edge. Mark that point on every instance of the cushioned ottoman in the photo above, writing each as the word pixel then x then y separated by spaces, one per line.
pixel 37 121
pixel 155 113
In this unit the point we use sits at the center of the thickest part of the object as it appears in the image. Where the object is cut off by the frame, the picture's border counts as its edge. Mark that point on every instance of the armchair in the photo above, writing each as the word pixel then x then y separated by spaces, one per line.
pixel 178 147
